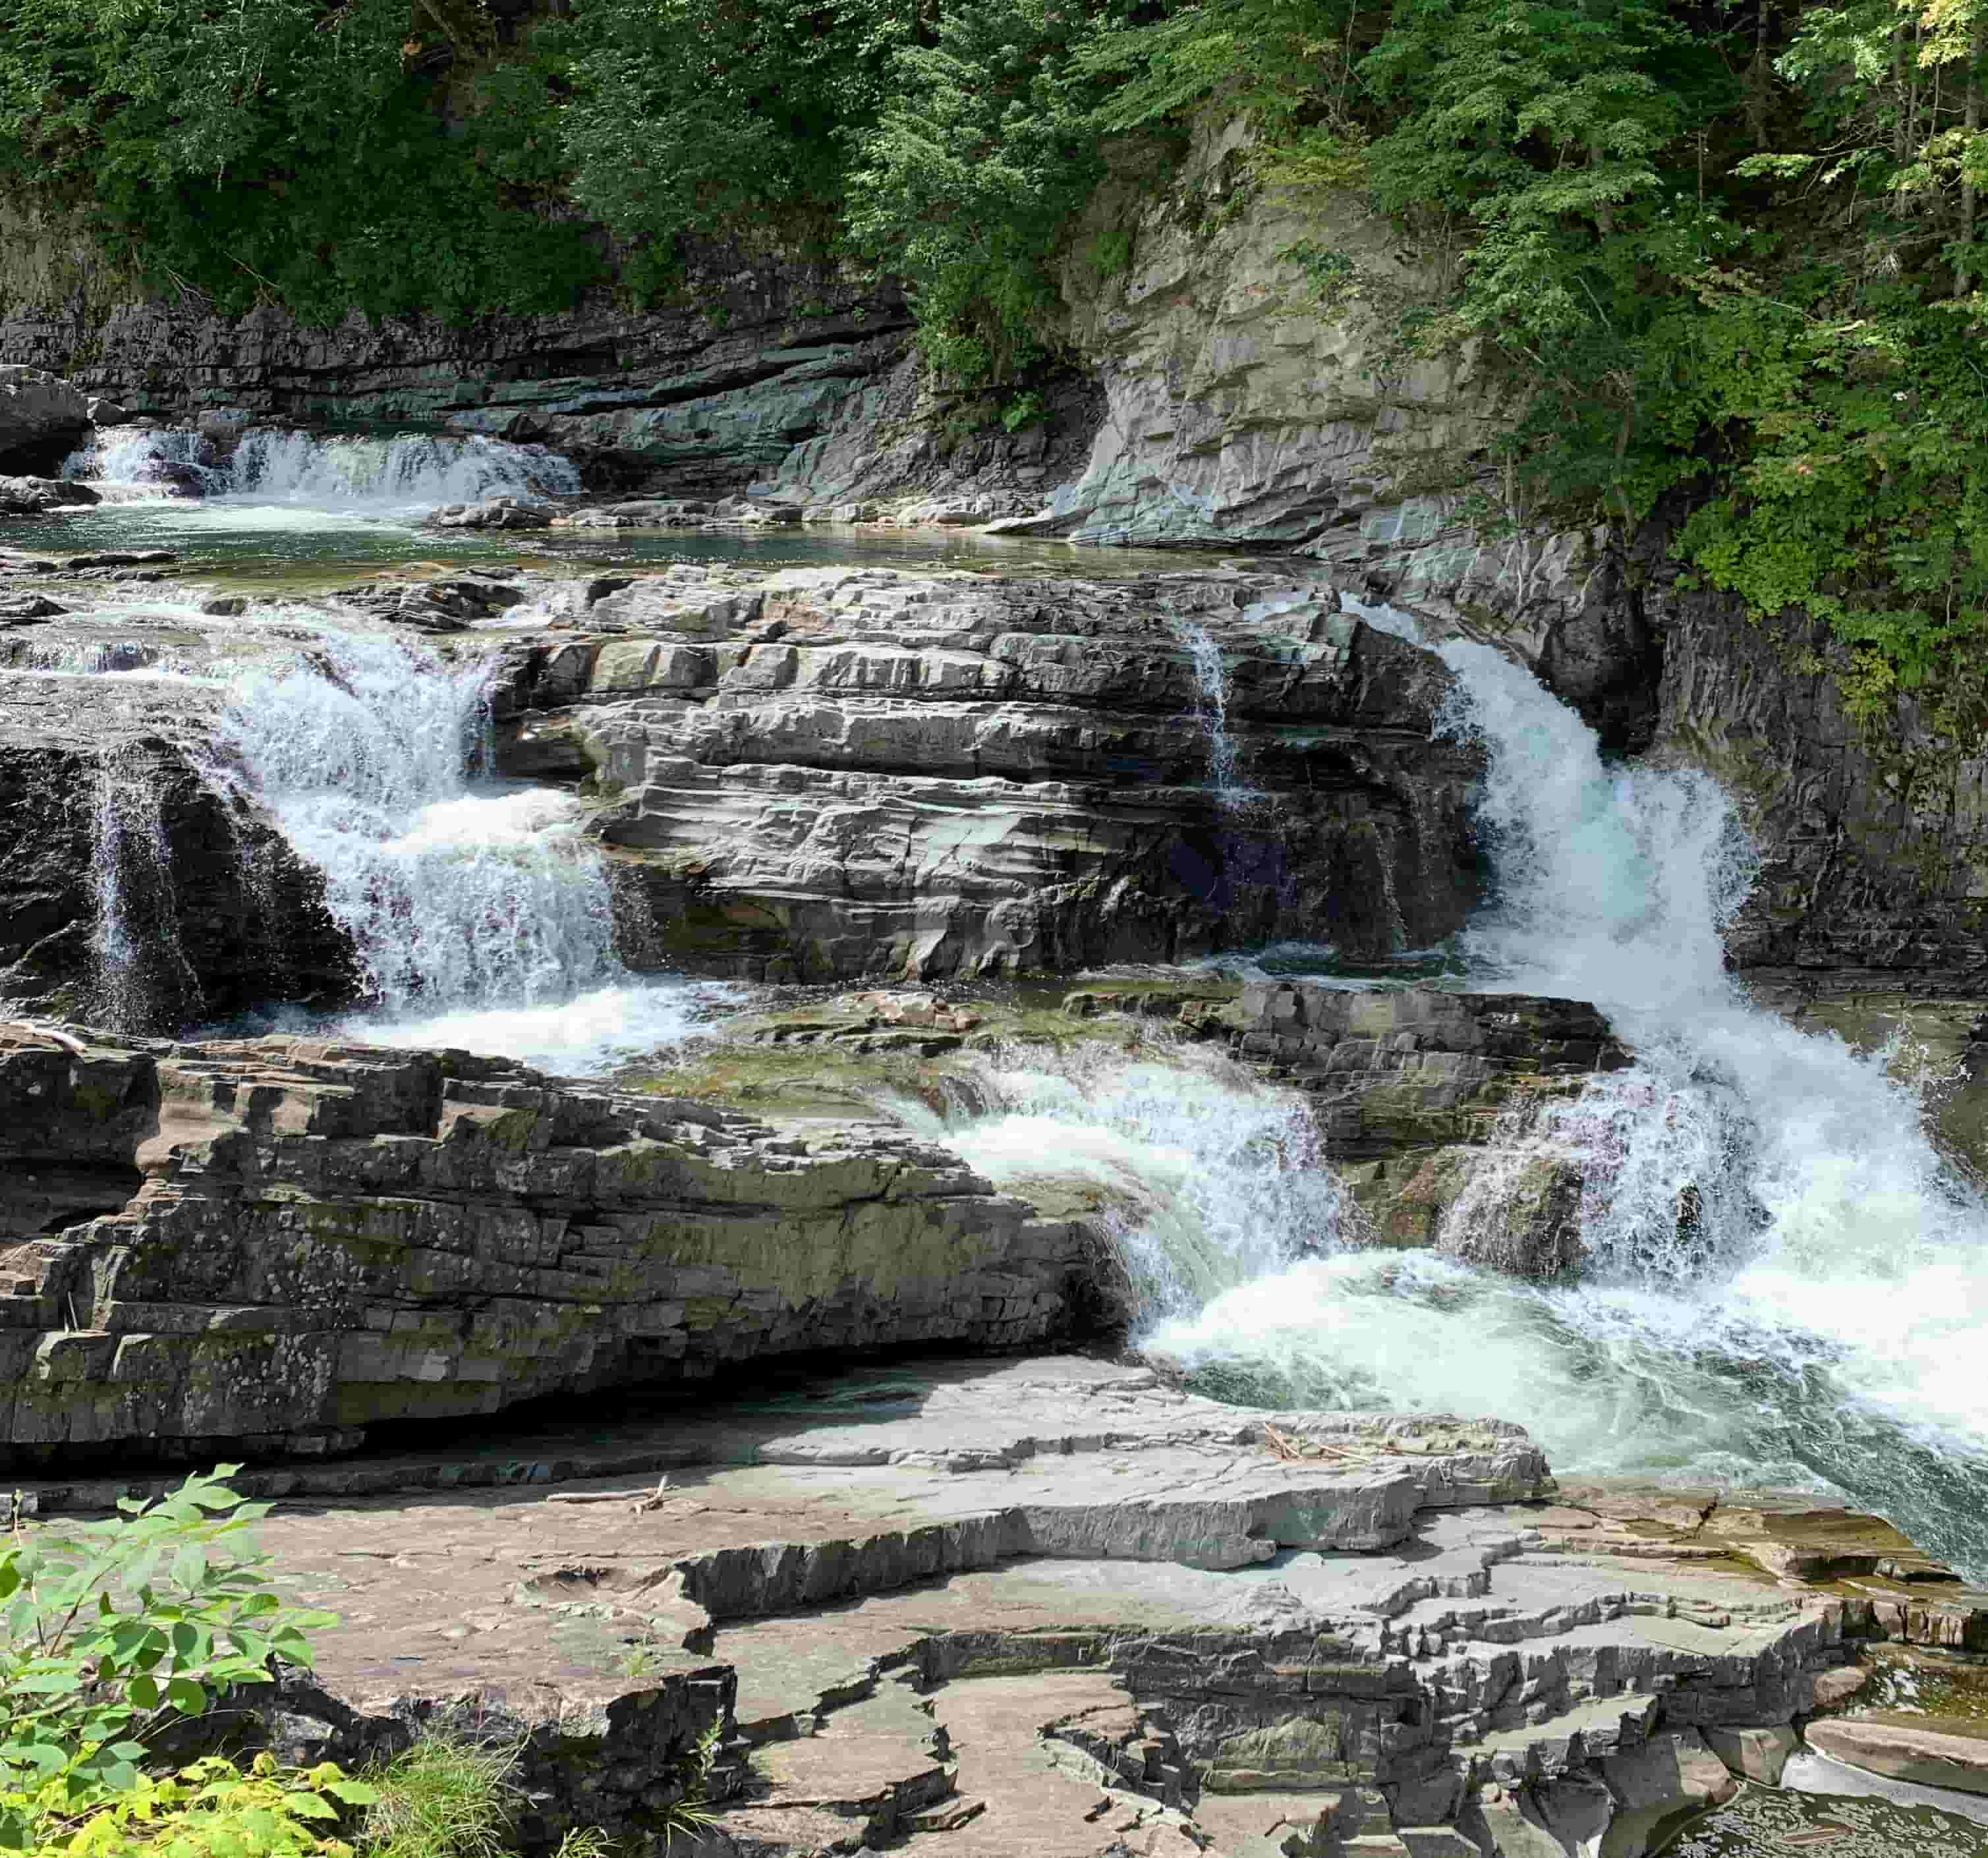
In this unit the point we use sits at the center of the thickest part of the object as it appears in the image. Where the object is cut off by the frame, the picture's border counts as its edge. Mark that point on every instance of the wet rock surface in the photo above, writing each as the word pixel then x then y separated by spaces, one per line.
pixel 133 888
pixel 1872 837
pixel 830 774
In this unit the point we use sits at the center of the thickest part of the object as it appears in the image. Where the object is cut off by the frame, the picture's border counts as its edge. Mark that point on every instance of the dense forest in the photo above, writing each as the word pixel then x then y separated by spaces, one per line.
pixel 1734 250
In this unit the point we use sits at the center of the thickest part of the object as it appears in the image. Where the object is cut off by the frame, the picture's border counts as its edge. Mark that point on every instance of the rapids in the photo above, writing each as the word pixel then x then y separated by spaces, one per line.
pixel 1825 1321
pixel 479 909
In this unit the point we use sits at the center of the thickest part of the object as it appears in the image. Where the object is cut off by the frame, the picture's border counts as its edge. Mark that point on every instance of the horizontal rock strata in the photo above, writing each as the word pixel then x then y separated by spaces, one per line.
pixel 825 1591
pixel 280 1243
pixel 832 774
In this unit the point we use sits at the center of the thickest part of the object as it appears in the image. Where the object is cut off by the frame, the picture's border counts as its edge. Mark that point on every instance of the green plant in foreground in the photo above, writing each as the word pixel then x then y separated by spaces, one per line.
pixel 212 1810
pixel 115 1628
pixel 445 1798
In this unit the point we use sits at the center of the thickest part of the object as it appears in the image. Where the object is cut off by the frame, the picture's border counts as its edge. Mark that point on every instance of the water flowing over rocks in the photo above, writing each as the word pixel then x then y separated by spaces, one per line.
pixel 832 774
pixel 1426 1099
pixel 105 818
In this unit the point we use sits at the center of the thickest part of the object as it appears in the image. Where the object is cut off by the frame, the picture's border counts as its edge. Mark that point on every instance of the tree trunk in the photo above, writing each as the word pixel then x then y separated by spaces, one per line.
pixel 1963 276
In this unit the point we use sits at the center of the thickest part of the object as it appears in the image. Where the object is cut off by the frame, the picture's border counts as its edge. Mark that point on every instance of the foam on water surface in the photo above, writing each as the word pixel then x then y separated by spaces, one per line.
pixel 1786 1283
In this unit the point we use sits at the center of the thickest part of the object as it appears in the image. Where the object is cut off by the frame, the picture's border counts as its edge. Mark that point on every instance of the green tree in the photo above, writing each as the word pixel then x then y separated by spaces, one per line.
pixel 706 115
pixel 972 177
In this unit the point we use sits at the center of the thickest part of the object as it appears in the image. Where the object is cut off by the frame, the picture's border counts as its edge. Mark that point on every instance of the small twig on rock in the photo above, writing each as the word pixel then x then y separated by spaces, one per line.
pixel 642 1499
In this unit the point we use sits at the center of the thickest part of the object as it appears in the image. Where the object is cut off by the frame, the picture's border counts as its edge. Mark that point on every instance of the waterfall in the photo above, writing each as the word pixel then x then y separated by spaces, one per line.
pixel 1200 1172
pixel 142 977
pixel 1784 1281
pixel 480 911
pixel 1211 707
pixel 269 465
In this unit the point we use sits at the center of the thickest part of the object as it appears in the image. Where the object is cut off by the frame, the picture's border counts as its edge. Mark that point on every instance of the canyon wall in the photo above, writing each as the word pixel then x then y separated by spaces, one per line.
pixel 1214 400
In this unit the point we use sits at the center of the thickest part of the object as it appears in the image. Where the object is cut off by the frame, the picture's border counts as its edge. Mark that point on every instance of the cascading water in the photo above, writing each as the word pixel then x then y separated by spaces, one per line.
pixel 273 466
pixel 1199 1171
pixel 479 911
pixel 1784 1281
pixel 1211 707
pixel 141 972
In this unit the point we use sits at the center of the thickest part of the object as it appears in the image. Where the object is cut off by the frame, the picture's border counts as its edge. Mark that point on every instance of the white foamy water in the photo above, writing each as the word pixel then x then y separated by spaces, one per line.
pixel 1785 1283
pixel 273 471
pixel 1201 1174
pixel 1212 706
pixel 480 911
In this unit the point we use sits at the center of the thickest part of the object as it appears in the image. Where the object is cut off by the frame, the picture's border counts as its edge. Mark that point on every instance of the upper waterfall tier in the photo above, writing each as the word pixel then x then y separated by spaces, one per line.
pixel 271 465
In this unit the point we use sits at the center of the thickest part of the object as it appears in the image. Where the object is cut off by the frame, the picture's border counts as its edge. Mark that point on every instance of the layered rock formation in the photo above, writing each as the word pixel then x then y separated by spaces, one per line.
pixel 756 363
pixel 977 1611
pixel 136 890
pixel 279 1244
pixel 1873 835
pixel 832 773
pixel 42 417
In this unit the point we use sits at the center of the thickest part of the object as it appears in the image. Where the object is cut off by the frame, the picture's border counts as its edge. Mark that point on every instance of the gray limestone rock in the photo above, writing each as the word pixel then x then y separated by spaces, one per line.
pixel 32 496
pixel 331 1236
pixel 42 417
pixel 837 773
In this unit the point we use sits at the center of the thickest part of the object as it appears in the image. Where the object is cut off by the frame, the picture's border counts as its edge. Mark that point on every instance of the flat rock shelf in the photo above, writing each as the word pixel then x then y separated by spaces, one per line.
pixel 1052 1605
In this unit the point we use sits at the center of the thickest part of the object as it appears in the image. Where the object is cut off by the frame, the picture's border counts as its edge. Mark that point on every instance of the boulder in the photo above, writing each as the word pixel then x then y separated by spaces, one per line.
pixel 1754 1755
pixel 35 496
pixel 1926 1750
pixel 42 419
pixel 493 513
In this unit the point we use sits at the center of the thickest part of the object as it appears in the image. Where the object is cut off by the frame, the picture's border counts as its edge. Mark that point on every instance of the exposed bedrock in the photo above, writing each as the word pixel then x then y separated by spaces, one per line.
pixel 42 417
pixel 136 890
pixel 1873 835
pixel 1050 1607
pixel 836 774
pixel 762 362
pixel 329 1236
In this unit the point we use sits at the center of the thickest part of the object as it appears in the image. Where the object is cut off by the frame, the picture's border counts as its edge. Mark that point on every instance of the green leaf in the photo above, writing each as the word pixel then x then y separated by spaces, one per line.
pixel 186 1696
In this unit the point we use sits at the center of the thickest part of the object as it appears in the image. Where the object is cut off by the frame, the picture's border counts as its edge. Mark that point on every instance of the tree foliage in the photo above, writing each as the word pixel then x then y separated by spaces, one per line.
pixel 114 1629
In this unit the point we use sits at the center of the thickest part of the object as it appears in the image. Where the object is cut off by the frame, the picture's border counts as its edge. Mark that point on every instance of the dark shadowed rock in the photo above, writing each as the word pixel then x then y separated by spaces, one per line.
pixel 42 419
pixel 106 819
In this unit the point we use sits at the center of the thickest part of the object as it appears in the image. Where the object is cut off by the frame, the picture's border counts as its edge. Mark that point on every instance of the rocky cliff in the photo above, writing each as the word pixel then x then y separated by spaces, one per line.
pixel 831 773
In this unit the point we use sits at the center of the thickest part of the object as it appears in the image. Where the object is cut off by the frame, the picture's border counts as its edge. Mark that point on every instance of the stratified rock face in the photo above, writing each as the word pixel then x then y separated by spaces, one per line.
pixel 134 892
pixel 1426 1099
pixel 42 419
pixel 711 395
pixel 330 1236
pixel 834 773
pixel 1873 840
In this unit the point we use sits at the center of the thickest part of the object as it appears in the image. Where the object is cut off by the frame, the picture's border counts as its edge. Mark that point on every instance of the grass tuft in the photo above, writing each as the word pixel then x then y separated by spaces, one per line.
pixel 443 1799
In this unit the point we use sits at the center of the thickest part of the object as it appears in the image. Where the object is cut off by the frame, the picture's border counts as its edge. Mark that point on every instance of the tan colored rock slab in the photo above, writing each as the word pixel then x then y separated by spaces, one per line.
pixel 1930 1754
